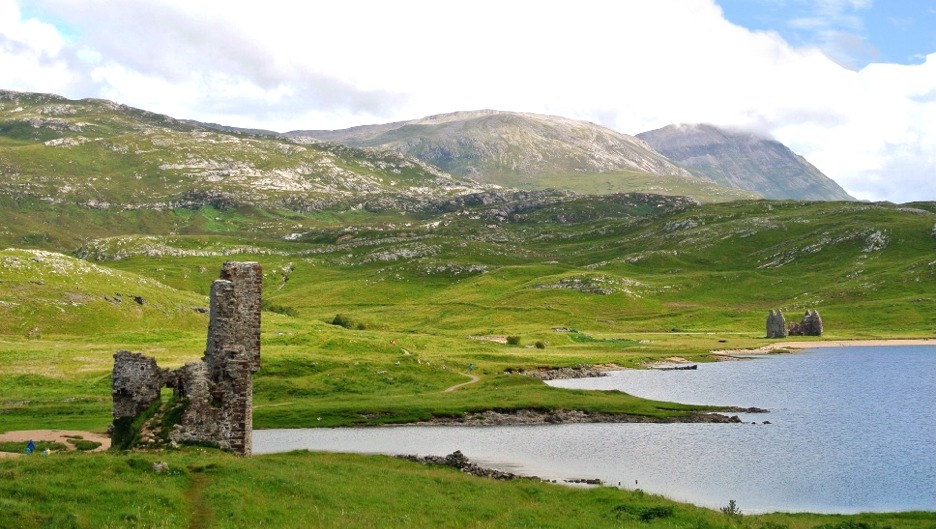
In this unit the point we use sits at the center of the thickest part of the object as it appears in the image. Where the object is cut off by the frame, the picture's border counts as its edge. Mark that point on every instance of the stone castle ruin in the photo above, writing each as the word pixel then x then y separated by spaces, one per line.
pixel 776 324
pixel 212 399
pixel 811 325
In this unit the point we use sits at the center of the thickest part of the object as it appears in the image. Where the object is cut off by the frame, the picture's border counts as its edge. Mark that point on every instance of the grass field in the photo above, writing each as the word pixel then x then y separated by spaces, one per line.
pixel 202 488
pixel 599 281
pixel 634 283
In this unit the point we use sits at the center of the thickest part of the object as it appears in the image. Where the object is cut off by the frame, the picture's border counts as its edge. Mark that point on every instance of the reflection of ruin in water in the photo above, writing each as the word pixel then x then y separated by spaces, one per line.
pixel 216 394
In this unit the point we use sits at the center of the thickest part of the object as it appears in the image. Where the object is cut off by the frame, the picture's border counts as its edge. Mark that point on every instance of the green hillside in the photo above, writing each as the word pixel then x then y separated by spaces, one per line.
pixel 117 221
pixel 603 265
pixel 44 292
pixel 626 279
pixel 302 490
pixel 102 155
pixel 612 182
pixel 384 280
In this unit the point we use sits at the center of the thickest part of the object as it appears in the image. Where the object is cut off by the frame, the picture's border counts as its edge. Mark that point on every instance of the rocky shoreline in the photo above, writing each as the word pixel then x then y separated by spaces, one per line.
pixel 560 373
pixel 522 417
pixel 458 460
pixel 525 417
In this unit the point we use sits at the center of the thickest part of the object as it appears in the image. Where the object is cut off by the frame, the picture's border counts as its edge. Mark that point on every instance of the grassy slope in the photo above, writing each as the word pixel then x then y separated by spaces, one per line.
pixel 611 182
pixel 681 271
pixel 46 292
pixel 687 282
pixel 97 153
pixel 206 489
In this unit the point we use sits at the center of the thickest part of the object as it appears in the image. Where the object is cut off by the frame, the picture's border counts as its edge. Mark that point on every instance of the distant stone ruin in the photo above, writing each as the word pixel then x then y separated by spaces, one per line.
pixel 212 399
pixel 776 324
pixel 811 325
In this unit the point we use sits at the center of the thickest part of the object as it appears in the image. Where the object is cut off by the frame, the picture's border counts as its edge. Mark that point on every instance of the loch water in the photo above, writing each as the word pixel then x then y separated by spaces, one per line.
pixel 852 429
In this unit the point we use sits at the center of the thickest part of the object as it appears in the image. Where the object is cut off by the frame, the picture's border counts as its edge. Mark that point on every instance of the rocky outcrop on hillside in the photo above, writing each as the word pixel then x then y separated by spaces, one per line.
pixel 596 284
pixel 102 155
pixel 744 161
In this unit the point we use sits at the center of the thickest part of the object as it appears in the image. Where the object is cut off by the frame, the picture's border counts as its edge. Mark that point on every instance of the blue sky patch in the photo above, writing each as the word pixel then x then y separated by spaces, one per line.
pixel 853 33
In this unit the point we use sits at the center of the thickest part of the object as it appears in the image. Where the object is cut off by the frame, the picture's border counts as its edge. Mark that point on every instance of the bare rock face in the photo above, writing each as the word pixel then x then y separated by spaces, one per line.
pixel 213 399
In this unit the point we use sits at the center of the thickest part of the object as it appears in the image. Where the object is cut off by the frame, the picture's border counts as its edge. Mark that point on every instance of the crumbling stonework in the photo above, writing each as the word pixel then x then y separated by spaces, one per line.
pixel 776 324
pixel 811 325
pixel 215 395
pixel 136 383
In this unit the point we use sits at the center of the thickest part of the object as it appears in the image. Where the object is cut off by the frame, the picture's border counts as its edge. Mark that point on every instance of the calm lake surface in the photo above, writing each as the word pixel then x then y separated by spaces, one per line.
pixel 853 429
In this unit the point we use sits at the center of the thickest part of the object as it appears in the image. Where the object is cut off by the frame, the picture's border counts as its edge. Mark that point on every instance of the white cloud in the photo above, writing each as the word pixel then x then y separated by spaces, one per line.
pixel 886 147
pixel 30 53
pixel 633 66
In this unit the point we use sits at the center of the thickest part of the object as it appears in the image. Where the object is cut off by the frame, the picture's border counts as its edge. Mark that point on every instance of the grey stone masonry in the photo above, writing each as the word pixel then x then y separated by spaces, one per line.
pixel 216 394
pixel 247 279
pixel 811 325
pixel 135 383
pixel 776 324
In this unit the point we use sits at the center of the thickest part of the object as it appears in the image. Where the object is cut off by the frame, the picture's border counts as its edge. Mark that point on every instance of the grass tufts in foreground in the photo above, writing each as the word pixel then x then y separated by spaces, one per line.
pixel 208 489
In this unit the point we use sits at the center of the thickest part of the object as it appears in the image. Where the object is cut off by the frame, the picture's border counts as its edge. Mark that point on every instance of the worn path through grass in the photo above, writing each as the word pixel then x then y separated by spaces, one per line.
pixel 456 386
pixel 195 496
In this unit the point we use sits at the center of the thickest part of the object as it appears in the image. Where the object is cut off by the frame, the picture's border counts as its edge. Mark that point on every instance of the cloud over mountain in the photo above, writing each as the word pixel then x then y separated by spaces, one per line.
pixel 631 66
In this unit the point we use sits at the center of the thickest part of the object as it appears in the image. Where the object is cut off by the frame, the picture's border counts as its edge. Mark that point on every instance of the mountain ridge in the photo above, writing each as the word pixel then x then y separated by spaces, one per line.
pixel 744 160
pixel 484 142
pixel 101 154
pixel 104 154
pixel 530 151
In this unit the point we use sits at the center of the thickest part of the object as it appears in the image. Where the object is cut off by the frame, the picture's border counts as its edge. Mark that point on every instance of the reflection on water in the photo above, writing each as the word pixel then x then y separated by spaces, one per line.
pixel 852 429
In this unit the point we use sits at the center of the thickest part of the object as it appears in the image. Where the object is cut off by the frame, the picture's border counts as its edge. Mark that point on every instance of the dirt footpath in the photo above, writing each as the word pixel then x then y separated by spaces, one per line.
pixel 59 436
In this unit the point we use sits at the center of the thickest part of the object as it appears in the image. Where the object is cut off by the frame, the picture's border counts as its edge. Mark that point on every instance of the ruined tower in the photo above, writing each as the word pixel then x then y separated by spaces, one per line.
pixel 810 325
pixel 776 324
pixel 215 396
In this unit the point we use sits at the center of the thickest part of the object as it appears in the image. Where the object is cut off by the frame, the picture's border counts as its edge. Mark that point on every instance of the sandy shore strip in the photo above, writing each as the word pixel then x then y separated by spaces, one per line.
pixel 59 436
pixel 785 346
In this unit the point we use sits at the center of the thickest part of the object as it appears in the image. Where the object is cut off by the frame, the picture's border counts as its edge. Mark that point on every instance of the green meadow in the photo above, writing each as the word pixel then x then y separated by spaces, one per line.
pixel 203 488
pixel 613 281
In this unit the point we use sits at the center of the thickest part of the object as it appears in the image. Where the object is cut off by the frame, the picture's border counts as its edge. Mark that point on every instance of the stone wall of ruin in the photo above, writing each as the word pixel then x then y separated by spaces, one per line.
pixel 217 393
pixel 776 324
pixel 135 383
pixel 810 325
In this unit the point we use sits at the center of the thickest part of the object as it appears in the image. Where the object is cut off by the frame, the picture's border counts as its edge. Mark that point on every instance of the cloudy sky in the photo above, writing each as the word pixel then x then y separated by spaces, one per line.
pixel 849 84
